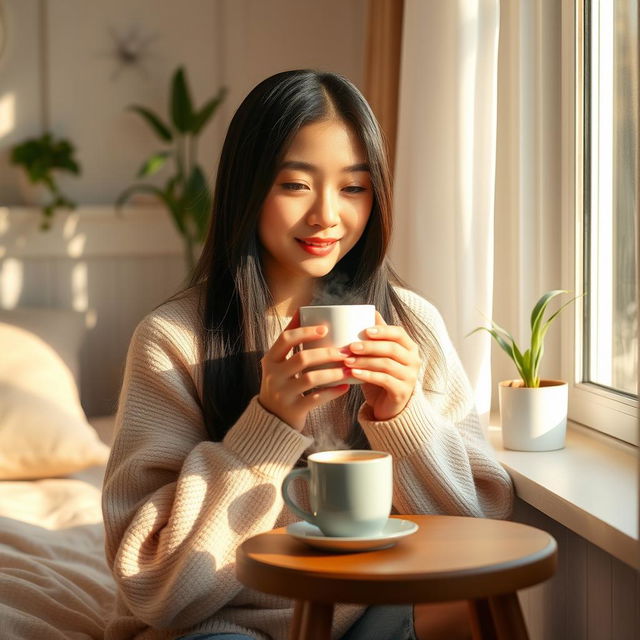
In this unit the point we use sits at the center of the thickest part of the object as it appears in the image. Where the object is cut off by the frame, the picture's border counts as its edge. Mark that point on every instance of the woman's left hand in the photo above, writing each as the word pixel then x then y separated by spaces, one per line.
pixel 387 363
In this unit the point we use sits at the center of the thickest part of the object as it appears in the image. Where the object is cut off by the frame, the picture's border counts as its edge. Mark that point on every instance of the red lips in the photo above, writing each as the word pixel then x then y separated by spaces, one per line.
pixel 317 246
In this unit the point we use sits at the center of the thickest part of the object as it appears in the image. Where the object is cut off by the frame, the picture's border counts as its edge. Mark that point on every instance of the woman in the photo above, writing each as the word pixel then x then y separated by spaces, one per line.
pixel 218 402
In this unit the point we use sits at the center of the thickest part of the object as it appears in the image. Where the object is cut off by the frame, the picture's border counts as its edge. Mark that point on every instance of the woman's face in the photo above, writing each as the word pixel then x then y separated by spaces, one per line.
pixel 318 205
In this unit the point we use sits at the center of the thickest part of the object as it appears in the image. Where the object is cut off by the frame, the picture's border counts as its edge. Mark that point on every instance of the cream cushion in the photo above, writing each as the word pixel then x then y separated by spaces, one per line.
pixel 62 329
pixel 43 429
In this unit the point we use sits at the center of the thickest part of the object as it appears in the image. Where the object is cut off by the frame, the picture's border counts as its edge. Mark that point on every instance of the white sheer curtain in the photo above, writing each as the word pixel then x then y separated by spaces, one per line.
pixel 445 168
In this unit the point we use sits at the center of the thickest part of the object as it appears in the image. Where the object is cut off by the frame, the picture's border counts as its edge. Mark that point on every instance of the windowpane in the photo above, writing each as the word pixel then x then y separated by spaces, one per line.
pixel 611 347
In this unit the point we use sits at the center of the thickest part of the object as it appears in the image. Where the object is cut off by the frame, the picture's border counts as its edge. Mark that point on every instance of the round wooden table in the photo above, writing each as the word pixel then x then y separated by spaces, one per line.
pixel 449 558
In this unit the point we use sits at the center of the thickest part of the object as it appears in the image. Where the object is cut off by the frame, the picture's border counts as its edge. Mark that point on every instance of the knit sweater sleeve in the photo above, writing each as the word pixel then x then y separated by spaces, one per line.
pixel 442 461
pixel 176 505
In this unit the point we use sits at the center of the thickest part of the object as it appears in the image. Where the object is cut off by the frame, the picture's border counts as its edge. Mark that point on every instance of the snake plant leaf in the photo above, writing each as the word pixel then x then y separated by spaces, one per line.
pixel 535 364
pixel 539 328
pixel 525 371
pixel 203 116
pixel 502 331
pixel 528 363
pixel 154 164
pixel 198 200
pixel 519 360
pixel 541 305
pixel 182 114
pixel 504 345
pixel 515 354
pixel 154 122
pixel 566 304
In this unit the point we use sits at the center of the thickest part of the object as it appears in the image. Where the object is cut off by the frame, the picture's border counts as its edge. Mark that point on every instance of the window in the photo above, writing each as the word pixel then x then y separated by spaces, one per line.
pixel 605 366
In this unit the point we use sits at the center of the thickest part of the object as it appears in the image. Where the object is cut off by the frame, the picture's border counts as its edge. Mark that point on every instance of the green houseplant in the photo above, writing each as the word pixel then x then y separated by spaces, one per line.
pixel 533 411
pixel 528 362
pixel 185 193
pixel 41 158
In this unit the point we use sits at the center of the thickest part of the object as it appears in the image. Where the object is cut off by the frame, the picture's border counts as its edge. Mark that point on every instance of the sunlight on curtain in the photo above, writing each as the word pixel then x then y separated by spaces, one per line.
pixel 445 168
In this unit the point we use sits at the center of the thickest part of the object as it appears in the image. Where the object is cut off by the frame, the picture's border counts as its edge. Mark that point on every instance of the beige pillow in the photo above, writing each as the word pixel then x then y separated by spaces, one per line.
pixel 43 429
pixel 61 329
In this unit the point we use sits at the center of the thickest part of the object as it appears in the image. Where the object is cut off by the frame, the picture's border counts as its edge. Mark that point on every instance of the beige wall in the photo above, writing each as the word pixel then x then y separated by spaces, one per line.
pixel 230 42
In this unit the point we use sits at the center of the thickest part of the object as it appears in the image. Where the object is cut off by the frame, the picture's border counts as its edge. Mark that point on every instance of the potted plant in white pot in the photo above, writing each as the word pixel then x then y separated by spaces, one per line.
pixel 533 411
pixel 42 158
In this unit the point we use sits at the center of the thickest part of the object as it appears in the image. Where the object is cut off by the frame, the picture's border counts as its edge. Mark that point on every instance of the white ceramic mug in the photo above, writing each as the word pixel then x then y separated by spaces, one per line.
pixel 345 323
pixel 350 491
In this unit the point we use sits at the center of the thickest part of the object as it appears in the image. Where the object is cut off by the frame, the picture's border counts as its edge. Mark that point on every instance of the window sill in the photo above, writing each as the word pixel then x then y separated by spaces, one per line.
pixel 590 487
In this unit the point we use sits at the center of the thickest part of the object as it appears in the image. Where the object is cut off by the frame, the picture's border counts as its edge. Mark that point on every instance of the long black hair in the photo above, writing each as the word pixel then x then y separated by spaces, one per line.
pixel 235 297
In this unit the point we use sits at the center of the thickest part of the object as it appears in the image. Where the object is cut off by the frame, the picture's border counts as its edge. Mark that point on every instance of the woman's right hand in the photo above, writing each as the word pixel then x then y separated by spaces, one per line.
pixel 288 390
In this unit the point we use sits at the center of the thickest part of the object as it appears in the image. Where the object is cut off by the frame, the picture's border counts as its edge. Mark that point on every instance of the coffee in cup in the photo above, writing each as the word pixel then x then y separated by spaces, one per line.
pixel 350 492
pixel 346 323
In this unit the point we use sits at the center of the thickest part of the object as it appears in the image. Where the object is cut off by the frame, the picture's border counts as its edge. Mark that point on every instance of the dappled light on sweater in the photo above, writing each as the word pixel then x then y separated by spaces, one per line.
pixel 257 502
pixel 178 504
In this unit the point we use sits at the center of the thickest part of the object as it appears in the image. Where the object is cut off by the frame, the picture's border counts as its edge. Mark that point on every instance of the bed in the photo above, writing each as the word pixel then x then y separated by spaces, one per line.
pixel 54 581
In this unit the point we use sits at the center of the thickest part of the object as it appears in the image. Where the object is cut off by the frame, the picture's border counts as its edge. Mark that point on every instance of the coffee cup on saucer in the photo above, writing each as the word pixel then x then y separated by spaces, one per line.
pixel 350 492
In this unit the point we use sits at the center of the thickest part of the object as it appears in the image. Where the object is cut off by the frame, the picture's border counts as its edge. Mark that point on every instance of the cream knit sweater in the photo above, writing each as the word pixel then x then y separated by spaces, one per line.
pixel 176 505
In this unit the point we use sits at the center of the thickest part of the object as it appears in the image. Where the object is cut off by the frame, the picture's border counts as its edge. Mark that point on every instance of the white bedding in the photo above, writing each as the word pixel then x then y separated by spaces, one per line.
pixel 54 581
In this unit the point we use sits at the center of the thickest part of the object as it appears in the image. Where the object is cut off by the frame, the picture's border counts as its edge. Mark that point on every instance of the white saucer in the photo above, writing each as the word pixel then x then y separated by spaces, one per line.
pixel 394 529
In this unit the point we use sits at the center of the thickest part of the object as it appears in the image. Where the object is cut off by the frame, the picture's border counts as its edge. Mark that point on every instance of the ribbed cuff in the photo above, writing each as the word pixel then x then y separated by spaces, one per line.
pixel 263 440
pixel 403 434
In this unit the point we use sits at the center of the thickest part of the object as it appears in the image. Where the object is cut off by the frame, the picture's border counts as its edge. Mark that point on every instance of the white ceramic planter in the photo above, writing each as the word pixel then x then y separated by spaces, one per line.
pixel 533 419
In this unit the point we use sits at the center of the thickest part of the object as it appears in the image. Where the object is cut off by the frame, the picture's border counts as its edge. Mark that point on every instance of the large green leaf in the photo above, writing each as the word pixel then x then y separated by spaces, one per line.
pixel 204 115
pixel 154 122
pixel 154 164
pixel 181 106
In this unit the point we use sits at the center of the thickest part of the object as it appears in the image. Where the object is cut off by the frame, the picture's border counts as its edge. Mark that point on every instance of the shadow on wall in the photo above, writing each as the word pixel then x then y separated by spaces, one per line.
pixel 113 269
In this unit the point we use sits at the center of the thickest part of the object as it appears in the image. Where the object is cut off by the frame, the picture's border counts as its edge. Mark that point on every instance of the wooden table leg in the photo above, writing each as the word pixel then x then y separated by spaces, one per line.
pixel 508 618
pixel 482 625
pixel 294 630
pixel 311 621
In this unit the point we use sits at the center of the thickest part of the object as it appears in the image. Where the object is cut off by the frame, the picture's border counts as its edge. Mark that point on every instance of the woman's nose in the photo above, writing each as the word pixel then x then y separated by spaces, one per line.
pixel 324 212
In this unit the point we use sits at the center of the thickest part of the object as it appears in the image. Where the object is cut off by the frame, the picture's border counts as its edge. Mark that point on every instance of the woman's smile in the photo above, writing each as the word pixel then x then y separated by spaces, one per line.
pixel 318 246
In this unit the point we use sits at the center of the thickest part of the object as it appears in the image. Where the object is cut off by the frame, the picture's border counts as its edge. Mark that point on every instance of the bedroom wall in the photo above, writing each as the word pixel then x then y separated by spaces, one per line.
pixel 84 90
pixel 117 269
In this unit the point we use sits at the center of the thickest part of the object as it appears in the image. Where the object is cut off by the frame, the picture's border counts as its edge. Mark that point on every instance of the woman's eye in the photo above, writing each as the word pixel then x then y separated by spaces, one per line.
pixel 293 186
pixel 354 189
